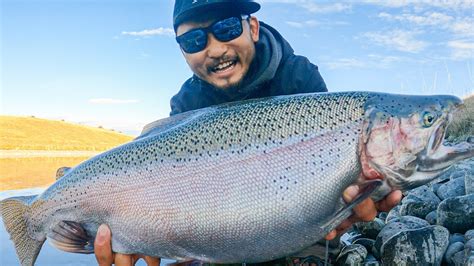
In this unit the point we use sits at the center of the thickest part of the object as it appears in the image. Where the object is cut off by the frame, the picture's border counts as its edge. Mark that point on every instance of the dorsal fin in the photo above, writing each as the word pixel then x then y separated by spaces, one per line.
pixel 62 171
pixel 164 124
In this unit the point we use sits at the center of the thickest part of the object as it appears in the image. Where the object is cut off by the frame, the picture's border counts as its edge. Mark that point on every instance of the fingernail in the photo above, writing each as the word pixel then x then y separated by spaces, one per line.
pixel 102 233
pixel 351 192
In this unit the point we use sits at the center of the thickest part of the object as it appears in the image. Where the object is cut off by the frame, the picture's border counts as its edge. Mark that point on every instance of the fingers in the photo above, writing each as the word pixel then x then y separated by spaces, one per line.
pixel 102 246
pixel 123 260
pixel 365 211
pixel 331 235
pixel 152 261
pixel 390 201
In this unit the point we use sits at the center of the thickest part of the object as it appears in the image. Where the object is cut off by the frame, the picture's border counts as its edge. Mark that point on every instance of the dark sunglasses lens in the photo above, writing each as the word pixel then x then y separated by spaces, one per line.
pixel 227 29
pixel 193 41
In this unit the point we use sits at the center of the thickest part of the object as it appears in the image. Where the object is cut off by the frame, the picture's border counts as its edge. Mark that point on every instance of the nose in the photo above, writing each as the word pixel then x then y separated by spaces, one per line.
pixel 215 48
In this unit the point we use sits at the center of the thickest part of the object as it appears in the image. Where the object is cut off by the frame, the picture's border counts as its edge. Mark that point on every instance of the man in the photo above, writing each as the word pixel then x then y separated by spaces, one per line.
pixel 234 57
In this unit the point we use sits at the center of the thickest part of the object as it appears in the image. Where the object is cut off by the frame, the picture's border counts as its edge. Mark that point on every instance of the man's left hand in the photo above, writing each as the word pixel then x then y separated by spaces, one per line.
pixel 366 210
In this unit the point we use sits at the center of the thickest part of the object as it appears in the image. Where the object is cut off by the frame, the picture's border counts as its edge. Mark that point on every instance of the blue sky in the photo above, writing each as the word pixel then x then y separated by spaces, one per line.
pixel 115 63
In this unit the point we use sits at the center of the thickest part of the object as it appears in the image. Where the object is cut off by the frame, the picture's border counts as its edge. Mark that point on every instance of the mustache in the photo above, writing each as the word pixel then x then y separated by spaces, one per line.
pixel 225 58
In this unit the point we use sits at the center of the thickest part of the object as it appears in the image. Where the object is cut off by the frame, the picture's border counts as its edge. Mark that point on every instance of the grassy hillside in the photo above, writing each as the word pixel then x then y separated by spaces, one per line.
pixel 463 123
pixel 29 133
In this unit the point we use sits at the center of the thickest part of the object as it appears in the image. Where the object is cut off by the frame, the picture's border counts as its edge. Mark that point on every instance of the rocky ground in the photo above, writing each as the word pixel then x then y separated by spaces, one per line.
pixel 433 225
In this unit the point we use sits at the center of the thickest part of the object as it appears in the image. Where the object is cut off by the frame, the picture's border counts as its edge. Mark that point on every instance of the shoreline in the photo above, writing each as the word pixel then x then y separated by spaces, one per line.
pixel 5 154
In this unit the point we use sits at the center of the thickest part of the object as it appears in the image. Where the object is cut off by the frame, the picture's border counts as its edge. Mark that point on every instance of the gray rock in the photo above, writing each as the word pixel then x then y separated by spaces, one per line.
pixel 423 246
pixel 451 189
pixel 456 237
pixel 393 213
pixel 370 260
pixel 469 235
pixel 469 252
pixel 382 215
pixel 469 181
pixel 419 202
pixel 352 255
pixel 451 250
pixel 366 242
pixel 457 214
pixel 431 217
pixel 458 258
pixel 395 226
pixel 370 229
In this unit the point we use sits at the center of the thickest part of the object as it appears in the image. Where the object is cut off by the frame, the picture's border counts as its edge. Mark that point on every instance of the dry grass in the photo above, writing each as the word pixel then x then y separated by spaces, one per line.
pixel 29 133
pixel 462 125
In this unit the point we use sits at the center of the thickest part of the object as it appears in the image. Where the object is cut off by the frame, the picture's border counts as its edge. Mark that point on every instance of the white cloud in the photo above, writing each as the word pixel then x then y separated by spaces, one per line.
pixel 427 19
pixel 313 7
pixel 112 101
pixel 463 27
pixel 308 23
pixel 346 63
pixel 398 39
pixel 421 4
pixel 461 49
pixel 371 61
pixel 325 8
pixel 152 32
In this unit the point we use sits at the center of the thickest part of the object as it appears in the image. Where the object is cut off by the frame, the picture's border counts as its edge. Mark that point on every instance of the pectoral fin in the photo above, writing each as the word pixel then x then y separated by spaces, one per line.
pixel 367 189
pixel 71 237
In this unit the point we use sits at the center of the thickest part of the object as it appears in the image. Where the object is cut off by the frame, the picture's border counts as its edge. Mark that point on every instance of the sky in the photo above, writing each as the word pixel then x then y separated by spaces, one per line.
pixel 115 63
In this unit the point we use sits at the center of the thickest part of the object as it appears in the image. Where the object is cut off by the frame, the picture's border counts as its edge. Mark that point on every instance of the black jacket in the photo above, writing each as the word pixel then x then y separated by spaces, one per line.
pixel 276 70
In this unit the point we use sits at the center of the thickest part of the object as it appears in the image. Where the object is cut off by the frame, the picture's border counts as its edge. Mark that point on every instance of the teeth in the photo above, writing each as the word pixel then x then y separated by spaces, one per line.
pixel 223 65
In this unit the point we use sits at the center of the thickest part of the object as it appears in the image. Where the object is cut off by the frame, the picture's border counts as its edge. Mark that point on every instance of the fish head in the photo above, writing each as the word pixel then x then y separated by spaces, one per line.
pixel 403 139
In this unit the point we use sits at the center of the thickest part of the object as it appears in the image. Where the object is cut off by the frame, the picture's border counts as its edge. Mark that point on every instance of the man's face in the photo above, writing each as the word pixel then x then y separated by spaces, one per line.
pixel 223 64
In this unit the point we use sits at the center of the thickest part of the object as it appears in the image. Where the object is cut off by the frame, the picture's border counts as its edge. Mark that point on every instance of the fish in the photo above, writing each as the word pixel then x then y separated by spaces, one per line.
pixel 247 181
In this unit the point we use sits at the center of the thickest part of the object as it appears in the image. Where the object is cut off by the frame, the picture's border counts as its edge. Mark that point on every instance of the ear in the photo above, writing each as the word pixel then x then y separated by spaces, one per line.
pixel 254 28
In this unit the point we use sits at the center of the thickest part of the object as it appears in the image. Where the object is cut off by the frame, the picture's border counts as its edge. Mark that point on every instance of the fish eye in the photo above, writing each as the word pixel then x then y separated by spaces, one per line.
pixel 428 119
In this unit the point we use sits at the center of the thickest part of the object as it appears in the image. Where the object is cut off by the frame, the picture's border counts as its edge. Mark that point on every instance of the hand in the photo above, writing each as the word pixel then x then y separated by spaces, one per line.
pixel 366 210
pixel 105 256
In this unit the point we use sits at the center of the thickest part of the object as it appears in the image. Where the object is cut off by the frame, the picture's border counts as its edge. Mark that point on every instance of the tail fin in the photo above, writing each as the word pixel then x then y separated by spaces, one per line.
pixel 13 212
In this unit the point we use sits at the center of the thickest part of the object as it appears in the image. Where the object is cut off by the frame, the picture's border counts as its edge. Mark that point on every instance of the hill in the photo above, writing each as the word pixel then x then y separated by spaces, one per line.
pixel 462 125
pixel 30 133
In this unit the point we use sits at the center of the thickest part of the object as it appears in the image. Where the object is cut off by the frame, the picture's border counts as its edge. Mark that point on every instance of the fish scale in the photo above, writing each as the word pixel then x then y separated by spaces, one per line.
pixel 241 182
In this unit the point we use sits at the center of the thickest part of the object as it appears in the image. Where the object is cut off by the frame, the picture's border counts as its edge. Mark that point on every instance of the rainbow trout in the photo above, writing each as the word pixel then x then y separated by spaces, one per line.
pixel 249 181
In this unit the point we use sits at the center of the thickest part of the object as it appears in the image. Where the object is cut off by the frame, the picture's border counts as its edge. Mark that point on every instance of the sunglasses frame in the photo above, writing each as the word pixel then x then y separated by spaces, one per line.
pixel 209 29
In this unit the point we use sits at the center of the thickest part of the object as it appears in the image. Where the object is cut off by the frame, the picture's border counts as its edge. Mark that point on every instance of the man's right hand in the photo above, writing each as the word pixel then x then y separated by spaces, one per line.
pixel 105 256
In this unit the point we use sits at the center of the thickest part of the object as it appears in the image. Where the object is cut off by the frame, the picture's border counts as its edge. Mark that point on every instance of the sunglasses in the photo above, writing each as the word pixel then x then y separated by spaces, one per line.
pixel 224 30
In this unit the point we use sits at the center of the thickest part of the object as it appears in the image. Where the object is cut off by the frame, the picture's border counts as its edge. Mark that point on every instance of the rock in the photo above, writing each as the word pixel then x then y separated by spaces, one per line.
pixel 382 215
pixel 469 181
pixel 370 260
pixel 370 229
pixel 393 213
pixel 457 214
pixel 423 246
pixel 458 258
pixel 431 217
pixel 419 202
pixel 352 255
pixel 451 189
pixel 469 247
pixel 395 226
pixel 451 250
pixel 469 235
pixel 456 237
pixel 366 242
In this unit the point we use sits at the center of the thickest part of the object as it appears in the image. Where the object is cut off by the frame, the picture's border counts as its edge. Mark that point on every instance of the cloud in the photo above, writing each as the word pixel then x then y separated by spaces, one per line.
pixel 400 40
pixel 461 49
pixel 463 27
pixel 111 101
pixel 325 8
pixel 144 33
pixel 427 19
pixel 371 61
pixel 422 4
pixel 313 7
pixel 304 24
